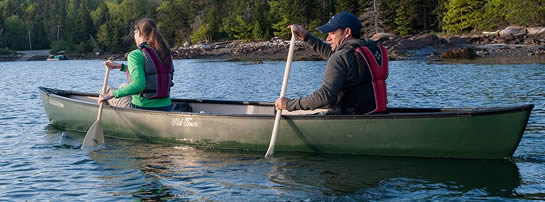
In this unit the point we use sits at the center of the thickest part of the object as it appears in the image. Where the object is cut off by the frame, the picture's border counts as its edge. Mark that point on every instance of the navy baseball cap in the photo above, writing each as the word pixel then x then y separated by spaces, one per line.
pixel 342 20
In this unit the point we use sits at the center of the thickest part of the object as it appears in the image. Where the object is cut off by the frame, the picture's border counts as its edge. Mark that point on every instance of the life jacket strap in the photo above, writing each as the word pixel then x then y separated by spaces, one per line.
pixel 379 74
pixel 162 73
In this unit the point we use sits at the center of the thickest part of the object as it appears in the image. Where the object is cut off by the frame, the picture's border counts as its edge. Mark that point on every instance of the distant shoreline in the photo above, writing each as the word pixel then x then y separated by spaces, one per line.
pixel 424 46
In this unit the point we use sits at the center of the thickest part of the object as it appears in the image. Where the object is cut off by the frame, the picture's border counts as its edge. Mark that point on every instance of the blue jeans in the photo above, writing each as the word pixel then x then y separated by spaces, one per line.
pixel 165 108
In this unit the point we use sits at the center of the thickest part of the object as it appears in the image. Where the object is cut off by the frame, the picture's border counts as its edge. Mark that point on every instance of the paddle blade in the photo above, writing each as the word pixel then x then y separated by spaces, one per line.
pixel 94 136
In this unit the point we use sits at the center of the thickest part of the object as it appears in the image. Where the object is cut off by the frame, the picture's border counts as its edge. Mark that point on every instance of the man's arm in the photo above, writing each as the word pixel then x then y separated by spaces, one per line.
pixel 332 83
pixel 323 49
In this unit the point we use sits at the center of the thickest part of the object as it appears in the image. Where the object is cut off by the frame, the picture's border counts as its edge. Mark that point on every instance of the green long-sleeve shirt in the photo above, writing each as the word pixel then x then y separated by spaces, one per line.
pixel 136 70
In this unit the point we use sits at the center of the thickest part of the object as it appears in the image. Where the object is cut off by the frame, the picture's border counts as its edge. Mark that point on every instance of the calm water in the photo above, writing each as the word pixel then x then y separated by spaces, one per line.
pixel 38 161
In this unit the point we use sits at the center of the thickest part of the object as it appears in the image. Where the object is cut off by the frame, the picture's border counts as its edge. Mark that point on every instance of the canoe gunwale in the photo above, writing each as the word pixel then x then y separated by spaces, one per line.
pixel 396 113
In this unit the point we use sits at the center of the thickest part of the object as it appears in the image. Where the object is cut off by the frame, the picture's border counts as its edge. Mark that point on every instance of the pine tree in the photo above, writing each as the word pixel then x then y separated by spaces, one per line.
pixel 440 12
pixel 101 15
pixel 257 32
pixel 83 26
pixel 372 19
pixel 262 25
pixel 526 12
pixel 280 12
pixel 355 7
pixel 242 30
pixel 15 32
pixel 402 21
pixel 494 15
pixel 173 20
pixel 462 15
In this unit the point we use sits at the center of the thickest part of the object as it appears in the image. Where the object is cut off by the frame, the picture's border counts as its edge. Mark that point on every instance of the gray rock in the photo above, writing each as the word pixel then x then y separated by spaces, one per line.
pixel 512 31
pixel 382 36
pixel 535 31
pixel 457 42
pixel 418 42
pixel 459 53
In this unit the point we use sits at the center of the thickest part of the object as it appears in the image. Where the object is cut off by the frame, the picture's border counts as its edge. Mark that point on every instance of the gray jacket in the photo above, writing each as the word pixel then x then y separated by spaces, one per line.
pixel 340 72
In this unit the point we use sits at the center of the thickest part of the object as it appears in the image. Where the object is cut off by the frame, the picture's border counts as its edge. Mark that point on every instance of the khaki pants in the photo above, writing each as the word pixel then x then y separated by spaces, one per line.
pixel 123 102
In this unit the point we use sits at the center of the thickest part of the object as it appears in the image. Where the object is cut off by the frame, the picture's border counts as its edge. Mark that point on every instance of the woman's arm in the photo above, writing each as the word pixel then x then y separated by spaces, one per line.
pixel 138 77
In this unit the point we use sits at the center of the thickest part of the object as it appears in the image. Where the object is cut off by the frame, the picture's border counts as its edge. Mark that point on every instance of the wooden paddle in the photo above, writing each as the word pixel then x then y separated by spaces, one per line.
pixel 272 144
pixel 95 135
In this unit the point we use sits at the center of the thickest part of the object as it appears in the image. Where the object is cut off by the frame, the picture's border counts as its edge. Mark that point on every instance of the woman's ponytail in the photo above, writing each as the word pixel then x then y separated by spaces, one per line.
pixel 155 39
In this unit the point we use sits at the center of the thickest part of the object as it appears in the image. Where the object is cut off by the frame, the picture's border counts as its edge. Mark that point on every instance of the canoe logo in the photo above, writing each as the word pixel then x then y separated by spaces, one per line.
pixel 185 122
pixel 56 103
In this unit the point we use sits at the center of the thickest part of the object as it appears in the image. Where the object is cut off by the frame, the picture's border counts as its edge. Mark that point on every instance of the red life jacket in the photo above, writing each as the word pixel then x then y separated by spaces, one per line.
pixel 379 74
pixel 158 75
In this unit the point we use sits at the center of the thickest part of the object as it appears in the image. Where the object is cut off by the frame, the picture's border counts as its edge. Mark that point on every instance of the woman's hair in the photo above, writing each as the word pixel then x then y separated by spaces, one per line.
pixel 154 38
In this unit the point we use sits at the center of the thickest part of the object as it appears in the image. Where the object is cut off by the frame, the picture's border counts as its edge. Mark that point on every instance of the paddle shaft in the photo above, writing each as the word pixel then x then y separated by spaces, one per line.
pixel 100 106
pixel 94 135
pixel 274 135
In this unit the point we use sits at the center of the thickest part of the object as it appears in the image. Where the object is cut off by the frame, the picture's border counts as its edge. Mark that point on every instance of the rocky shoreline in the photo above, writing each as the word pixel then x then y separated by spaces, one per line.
pixel 509 42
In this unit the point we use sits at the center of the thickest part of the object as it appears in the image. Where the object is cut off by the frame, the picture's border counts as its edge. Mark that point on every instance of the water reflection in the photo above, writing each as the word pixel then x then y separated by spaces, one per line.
pixel 183 172
pixel 349 174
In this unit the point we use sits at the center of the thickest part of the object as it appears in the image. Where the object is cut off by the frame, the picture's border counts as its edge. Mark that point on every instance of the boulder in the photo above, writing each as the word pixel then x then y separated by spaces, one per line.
pixel 485 33
pixel 459 53
pixel 457 42
pixel 201 46
pixel 483 52
pixel 382 36
pixel 418 42
pixel 535 31
pixel 512 31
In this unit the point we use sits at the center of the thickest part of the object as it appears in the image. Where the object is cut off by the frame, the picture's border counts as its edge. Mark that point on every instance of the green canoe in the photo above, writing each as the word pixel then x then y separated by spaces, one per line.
pixel 474 133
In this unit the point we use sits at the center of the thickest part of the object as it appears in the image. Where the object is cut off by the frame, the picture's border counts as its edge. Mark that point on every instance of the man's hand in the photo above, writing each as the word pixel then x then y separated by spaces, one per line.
pixel 281 103
pixel 299 31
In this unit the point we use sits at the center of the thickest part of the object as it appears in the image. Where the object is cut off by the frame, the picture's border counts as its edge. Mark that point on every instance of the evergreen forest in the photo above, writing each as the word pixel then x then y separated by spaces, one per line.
pixel 82 26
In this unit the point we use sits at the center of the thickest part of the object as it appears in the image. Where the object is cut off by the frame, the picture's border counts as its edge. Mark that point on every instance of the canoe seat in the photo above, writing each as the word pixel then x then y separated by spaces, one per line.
pixel 181 107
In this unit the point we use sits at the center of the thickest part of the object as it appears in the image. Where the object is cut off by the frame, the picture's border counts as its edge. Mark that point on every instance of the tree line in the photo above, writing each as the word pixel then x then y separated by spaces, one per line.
pixel 81 26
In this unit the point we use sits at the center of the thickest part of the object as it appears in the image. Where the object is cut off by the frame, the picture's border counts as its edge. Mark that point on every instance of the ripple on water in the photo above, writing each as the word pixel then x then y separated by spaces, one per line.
pixel 533 187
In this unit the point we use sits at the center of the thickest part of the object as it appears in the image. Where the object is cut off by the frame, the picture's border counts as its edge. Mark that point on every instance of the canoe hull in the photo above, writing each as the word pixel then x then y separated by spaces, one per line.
pixel 487 134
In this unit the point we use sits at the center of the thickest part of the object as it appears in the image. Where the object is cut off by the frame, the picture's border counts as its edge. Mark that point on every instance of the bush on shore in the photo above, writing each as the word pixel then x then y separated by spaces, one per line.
pixel 6 51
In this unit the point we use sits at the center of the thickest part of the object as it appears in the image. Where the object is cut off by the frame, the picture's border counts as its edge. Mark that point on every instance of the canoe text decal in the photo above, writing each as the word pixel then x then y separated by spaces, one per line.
pixel 56 103
pixel 185 122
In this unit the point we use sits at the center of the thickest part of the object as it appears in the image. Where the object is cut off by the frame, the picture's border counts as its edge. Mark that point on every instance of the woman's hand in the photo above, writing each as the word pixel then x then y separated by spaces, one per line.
pixel 112 65
pixel 299 31
pixel 105 97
